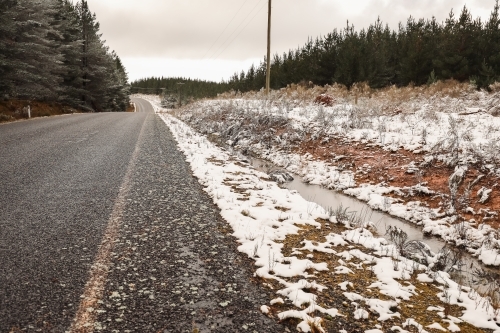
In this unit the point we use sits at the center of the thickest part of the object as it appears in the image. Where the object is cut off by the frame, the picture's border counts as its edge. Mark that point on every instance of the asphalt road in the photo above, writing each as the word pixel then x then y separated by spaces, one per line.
pixel 103 227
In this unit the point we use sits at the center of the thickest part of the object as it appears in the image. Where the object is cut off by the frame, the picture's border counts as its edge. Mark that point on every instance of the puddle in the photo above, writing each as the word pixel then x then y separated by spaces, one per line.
pixel 332 199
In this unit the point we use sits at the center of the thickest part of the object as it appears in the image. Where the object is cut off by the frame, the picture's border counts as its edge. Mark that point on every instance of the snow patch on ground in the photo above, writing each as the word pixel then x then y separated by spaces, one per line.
pixel 455 139
pixel 248 202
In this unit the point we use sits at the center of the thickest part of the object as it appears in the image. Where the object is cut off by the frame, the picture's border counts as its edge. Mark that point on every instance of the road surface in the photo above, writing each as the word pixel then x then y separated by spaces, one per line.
pixel 103 227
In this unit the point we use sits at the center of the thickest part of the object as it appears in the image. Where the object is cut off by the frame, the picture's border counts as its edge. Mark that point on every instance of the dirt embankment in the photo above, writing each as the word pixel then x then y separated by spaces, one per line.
pixel 372 164
pixel 14 109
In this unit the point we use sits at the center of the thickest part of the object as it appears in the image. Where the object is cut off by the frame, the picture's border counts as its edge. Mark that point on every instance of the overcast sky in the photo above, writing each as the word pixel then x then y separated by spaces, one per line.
pixel 212 39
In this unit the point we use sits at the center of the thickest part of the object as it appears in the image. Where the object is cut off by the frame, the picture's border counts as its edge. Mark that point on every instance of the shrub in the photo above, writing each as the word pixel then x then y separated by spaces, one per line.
pixel 325 100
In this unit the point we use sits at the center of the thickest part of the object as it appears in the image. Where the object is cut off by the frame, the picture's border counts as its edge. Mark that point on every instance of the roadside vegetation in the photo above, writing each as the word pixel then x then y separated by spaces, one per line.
pixel 428 155
pixel 51 53
pixel 328 269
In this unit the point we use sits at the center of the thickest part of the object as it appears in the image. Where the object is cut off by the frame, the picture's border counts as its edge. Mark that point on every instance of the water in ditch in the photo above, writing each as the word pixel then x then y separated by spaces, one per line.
pixel 332 199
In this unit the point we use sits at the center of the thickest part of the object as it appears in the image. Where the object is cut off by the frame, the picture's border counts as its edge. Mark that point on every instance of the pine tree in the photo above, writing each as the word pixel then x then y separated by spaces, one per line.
pixel 122 89
pixel 102 73
pixel 490 49
pixel 327 61
pixel 67 37
pixel 32 62
pixel 456 59
pixel 418 47
pixel 93 61
pixel 377 56
pixel 348 67
pixel 7 43
pixel 251 77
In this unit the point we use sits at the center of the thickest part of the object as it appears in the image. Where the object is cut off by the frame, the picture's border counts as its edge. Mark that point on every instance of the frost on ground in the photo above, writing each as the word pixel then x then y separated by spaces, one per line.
pixel 327 277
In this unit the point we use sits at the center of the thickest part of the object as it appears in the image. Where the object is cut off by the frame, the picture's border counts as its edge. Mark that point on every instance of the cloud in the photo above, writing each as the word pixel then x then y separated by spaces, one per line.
pixel 212 70
pixel 195 29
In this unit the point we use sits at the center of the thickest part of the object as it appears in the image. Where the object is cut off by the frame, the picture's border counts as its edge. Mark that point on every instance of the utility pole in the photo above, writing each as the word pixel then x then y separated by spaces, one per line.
pixel 180 96
pixel 268 70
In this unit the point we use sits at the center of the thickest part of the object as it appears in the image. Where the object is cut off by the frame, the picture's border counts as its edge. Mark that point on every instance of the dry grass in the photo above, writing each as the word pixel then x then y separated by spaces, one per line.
pixel 333 297
pixel 359 91
pixel 386 101
pixel 12 110
pixel 444 96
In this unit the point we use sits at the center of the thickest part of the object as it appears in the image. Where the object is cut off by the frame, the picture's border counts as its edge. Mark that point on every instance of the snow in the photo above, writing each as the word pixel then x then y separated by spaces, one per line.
pixel 278 300
pixel 264 309
pixel 361 314
pixel 431 130
pixel 484 194
pixel 345 284
pixel 247 200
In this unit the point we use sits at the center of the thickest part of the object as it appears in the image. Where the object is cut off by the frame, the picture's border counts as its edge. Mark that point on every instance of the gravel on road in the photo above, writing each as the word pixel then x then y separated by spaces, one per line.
pixel 175 266
pixel 59 179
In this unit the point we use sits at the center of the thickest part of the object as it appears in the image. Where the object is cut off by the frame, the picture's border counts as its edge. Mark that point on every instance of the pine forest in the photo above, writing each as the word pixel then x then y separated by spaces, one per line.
pixel 419 52
pixel 52 51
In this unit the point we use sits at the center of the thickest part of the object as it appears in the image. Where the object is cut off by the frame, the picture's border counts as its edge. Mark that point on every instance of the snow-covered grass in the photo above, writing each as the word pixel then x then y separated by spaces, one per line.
pixel 326 276
pixel 461 142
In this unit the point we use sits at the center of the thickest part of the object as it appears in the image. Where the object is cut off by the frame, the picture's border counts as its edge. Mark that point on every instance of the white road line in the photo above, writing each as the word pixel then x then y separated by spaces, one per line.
pixel 84 320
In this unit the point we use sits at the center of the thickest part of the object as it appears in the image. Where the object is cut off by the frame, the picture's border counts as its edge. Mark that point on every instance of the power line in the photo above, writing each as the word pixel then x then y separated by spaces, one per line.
pixel 240 31
pixel 225 28
pixel 235 30
pixel 232 40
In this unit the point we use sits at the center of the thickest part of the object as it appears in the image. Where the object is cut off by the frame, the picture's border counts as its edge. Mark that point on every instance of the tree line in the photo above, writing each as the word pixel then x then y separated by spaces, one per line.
pixel 52 50
pixel 185 87
pixel 419 52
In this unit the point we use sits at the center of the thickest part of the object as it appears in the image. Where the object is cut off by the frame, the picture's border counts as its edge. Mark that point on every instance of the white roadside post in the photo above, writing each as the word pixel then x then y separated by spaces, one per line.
pixel 29 111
